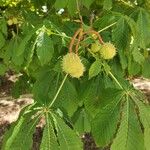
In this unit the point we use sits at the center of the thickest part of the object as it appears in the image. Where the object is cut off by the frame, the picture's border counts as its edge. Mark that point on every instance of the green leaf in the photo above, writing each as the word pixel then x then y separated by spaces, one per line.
pixel 44 48
pixel 91 96
pixel 116 68
pixel 95 68
pixel 104 124
pixel 72 6
pixel 107 4
pixel 42 85
pixel 104 21
pixel 68 98
pixel 82 123
pixel 120 34
pixel 145 68
pixel 3 26
pixel 123 59
pixel 61 4
pixel 49 140
pixel 19 136
pixel 8 53
pixel 3 69
pixel 143 23
pixel 133 67
pixel 137 56
pixel 2 40
pixel 129 136
pixel 133 26
pixel 68 139
pixel 23 43
pixel 145 118
pixel 87 3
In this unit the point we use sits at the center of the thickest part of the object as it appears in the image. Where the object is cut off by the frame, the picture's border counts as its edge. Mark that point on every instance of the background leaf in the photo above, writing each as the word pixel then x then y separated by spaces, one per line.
pixel 104 124
pixel 67 137
pixel 68 98
pixel 95 68
pixel 19 136
pixel 49 141
pixel 145 119
pixel 129 135
pixel 44 48
pixel 107 4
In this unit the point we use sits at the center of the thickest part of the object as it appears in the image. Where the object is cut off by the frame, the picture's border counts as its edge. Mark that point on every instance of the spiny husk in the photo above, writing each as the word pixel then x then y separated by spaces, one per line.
pixel 72 65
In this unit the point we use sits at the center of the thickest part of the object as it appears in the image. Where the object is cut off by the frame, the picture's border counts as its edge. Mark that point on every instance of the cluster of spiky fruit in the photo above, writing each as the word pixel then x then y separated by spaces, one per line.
pixel 106 51
pixel 72 65
pixel 95 47
pixel 12 21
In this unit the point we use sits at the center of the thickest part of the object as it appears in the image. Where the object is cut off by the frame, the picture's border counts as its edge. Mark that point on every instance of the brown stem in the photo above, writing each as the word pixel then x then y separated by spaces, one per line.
pixel 79 39
pixel 73 39
pixel 91 20
pixel 97 34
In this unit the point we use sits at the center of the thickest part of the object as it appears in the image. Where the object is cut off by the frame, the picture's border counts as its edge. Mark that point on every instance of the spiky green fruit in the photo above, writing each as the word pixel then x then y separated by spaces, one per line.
pixel 15 20
pixel 107 51
pixel 95 47
pixel 10 22
pixel 72 65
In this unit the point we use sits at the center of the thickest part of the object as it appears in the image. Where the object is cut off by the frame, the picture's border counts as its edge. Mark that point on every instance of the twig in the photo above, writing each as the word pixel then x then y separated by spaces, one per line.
pixel 107 27
pixel 97 34
pixel 114 78
pixel 73 39
pixel 91 20
pixel 56 95
pixel 79 39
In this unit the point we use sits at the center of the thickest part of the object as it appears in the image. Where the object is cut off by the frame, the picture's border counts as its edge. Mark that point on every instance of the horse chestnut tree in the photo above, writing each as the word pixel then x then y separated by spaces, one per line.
pixel 75 57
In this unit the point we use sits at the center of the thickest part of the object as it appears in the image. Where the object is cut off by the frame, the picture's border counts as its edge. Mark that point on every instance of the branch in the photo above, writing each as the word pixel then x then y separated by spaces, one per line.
pixel 73 39
pixel 97 34
pixel 79 39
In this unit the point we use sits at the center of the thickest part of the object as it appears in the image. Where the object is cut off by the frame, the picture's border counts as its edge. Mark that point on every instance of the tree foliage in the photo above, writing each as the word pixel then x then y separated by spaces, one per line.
pixel 34 37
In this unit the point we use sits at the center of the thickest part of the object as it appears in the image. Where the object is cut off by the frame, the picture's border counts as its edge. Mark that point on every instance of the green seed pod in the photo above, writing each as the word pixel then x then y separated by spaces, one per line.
pixel 72 65
pixel 108 51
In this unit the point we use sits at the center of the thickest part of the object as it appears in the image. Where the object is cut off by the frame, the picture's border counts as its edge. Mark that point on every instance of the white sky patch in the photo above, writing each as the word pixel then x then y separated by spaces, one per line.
pixel 44 8
pixel 60 11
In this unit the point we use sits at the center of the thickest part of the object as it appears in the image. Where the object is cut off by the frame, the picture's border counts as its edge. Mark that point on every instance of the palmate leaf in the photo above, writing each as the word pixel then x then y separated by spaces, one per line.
pixel 49 140
pixel 19 137
pixel 3 26
pixel 107 4
pixel 68 138
pixel 145 119
pixel 42 85
pixel 44 48
pixel 143 24
pixel 91 96
pixel 104 21
pixel 129 135
pixel 2 40
pixel 3 69
pixel 60 3
pixel 120 34
pixel 145 70
pixel 82 121
pixel 105 122
pixel 71 4
pixel 137 56
pixel 68 98
pixel 23 43
pixel 95 68
pixel 87 3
